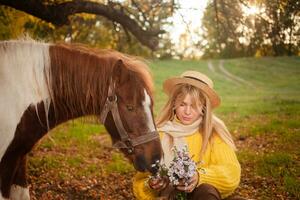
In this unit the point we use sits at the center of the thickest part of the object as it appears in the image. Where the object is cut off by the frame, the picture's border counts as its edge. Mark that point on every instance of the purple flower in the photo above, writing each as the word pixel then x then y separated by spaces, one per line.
pixel 182 167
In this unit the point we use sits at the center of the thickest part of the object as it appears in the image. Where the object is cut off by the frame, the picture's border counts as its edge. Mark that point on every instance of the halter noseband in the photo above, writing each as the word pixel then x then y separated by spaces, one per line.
pixel 125 142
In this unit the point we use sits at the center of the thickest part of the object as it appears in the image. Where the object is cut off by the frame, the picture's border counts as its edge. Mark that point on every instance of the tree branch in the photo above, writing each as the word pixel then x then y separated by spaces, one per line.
pixel 217 22
pixel 58 15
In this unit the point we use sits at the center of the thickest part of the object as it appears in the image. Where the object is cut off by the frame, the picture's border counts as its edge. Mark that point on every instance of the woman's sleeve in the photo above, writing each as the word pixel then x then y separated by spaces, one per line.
pixel 224 171
pixel 141 190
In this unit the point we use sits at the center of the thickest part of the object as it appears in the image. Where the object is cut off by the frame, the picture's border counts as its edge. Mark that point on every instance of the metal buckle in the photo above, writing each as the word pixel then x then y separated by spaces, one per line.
pixel 112 99
pixel 129 145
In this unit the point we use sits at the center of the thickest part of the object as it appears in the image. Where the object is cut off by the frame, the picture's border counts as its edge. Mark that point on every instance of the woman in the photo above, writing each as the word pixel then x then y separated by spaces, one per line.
pixel 187 119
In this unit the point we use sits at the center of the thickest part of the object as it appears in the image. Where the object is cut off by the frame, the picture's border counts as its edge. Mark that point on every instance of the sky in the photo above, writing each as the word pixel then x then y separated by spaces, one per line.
pixel 191 12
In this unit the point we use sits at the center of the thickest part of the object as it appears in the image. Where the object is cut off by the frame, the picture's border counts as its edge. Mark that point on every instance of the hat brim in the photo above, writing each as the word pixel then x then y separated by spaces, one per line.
pixel 169 85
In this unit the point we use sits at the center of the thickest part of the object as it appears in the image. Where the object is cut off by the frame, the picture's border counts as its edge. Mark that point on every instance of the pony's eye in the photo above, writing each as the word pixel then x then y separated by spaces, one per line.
pixel 130 107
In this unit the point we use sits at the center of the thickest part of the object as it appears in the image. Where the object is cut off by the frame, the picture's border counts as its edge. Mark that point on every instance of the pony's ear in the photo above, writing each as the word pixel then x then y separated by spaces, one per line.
pixel 120 72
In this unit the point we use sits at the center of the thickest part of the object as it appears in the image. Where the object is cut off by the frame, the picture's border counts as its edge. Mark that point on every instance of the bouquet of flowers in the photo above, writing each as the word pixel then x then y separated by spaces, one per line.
pixel 181 169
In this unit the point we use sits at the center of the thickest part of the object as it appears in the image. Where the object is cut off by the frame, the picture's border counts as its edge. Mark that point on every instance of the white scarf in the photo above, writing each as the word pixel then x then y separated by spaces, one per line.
pixel 175 133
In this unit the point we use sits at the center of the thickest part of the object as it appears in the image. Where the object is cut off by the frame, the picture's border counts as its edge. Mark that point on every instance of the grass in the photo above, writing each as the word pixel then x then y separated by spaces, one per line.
pixel 268 108
pixel 118 164
pixel 292 186
pixel 275 165
pixel 282 167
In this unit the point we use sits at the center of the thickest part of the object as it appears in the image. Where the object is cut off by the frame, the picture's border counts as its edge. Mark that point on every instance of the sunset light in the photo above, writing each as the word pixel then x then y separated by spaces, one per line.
pixel 251 10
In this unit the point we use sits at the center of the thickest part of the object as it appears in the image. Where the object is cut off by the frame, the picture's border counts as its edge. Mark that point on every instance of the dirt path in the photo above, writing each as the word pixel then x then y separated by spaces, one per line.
pixel 227 75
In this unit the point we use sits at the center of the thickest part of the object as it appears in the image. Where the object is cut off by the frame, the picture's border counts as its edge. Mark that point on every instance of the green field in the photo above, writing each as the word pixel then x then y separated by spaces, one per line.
pixel 260 105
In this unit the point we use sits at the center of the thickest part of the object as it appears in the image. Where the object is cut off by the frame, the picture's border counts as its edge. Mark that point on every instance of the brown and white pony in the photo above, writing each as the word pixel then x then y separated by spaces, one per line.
pixel 43 85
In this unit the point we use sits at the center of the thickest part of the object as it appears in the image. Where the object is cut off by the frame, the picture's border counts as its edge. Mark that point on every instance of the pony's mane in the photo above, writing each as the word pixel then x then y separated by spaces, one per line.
pixel 132 63
pixel 93 69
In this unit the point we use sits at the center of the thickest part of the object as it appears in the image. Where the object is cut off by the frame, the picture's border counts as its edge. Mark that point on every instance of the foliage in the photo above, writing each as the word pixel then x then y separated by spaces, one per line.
pixel 12 23
pixel 228 31
pixel 221 22
pixel 94 30
pixel 271 30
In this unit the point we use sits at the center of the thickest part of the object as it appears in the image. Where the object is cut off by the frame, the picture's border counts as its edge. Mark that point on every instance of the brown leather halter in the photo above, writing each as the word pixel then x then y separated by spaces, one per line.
pixel 126 142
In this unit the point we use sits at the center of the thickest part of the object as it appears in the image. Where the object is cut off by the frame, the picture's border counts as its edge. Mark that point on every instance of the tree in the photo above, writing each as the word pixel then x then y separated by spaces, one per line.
pixel 282 25
pixel 11 23
pixel 143 19
pixel 221 22
pixel 271 29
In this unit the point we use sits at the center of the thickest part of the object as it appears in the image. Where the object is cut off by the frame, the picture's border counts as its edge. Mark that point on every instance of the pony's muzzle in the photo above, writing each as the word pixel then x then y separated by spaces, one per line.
pixel 146 156
pixel 140 163
pixel 151 165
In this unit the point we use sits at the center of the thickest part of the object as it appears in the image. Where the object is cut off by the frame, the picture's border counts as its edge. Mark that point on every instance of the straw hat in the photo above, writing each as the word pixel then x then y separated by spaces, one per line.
pixel 196 79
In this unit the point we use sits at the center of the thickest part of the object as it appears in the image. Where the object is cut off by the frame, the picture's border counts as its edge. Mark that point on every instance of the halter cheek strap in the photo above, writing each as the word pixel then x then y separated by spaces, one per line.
pixel 125 142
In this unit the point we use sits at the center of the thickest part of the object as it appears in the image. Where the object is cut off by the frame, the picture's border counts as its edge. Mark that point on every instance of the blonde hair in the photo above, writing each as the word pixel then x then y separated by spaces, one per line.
pixel 210 124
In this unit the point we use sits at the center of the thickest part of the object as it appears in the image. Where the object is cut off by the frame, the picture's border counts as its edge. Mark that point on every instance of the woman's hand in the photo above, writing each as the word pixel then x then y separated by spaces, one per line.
pixel 191 184
pixel 158 183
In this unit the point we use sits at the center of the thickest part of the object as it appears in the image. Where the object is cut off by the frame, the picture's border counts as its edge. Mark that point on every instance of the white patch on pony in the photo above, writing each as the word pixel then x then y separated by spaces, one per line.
pixel 147 108
pixel 19 193
pixel 23 66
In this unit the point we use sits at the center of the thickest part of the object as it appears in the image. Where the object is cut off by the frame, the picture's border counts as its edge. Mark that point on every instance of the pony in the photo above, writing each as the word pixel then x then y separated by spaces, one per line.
pixel 45 84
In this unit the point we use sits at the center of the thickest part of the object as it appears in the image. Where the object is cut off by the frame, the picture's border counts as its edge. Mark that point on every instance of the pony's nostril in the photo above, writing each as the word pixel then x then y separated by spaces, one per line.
pixel 155 167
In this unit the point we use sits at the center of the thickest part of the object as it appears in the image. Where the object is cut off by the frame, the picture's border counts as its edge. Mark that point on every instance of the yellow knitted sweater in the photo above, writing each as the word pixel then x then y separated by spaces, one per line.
pixel 220 163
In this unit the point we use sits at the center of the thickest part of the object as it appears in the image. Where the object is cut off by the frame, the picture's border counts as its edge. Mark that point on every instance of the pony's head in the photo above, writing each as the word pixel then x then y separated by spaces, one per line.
pixel 84 78
pixel 128 115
